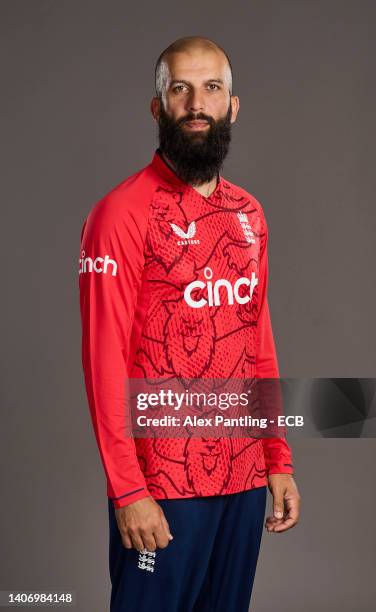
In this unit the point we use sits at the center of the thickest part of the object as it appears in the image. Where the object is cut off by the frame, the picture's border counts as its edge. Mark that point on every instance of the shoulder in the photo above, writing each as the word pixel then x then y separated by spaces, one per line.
pixel 240 192
pixel 125 207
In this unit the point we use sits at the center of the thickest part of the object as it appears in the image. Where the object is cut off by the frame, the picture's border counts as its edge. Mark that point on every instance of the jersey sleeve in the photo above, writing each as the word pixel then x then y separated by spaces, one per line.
pixel 278 456
pixel 111 265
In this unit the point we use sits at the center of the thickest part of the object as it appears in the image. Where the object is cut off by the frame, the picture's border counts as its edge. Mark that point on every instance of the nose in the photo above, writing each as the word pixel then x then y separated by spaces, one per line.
pixel 195 102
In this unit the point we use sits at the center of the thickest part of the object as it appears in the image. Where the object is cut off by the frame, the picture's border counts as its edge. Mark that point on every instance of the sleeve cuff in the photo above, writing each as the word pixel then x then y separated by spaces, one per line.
pixel 130 498
pixel 282 468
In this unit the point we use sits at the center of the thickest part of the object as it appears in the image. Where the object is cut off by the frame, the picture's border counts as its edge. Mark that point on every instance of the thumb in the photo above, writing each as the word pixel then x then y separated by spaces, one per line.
pixel 278 505
pixel 167 528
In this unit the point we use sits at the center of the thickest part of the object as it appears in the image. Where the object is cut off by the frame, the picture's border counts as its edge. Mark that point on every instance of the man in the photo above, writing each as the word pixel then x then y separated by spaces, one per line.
pixel 165 260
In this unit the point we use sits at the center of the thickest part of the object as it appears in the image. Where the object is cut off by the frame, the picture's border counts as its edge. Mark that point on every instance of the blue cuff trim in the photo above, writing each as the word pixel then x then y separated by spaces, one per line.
pixel 127 494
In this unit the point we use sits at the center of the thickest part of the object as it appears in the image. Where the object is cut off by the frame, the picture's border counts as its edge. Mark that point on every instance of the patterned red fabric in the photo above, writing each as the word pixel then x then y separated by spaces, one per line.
pixel 152 253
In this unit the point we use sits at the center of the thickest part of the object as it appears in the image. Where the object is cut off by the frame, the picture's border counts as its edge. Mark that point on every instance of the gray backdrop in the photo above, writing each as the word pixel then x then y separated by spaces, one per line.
pixel 77 77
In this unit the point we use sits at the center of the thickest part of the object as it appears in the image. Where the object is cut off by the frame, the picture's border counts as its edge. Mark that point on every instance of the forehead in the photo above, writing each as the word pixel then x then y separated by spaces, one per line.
pixel 197 64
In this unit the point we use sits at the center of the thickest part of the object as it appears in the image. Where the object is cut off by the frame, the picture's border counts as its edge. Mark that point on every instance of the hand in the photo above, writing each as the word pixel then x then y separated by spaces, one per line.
pixel 143 525
pixel 286 503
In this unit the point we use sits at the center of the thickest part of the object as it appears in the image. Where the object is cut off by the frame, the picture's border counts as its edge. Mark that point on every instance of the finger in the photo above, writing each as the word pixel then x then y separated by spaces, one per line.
pixel 137 541
pixel 293 508
pixel 166 527
pixel 285 525
pixel 272 519
pixel 149 541
pixel 271 523
pixel 278 504
pixel 161 536
pixel 127 542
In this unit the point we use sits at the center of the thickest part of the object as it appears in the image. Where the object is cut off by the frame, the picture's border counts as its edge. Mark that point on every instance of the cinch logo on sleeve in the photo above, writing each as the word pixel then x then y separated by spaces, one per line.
pixel 212 297
pixel 99 265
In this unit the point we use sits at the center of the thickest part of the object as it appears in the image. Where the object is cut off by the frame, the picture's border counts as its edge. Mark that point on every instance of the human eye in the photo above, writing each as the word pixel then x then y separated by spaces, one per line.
pixel 213 87
pixel 179 88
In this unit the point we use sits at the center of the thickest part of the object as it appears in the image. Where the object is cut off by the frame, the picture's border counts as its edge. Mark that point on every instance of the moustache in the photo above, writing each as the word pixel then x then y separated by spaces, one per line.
pixel 198 117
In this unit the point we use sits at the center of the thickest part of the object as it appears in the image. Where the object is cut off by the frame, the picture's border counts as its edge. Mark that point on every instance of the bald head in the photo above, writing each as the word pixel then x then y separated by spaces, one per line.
pixel 188 45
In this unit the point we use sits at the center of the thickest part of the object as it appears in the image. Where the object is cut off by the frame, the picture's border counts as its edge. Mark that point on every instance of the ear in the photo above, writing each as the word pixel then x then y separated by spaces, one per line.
pixel 235 105
pixel 155 106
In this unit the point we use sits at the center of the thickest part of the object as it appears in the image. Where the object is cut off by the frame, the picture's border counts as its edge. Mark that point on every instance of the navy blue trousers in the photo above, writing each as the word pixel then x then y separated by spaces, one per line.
pixel 209 566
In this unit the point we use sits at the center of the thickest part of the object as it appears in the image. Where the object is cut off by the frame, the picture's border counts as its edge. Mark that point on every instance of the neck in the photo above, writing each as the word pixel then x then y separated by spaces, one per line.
pixel 205 189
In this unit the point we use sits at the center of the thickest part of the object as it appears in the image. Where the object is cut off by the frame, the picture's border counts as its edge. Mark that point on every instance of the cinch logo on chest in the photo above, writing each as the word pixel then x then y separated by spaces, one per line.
pixel 212 290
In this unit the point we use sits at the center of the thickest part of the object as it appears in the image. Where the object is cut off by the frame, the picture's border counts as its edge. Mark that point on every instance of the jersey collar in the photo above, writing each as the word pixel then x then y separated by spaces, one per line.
pixel 165 171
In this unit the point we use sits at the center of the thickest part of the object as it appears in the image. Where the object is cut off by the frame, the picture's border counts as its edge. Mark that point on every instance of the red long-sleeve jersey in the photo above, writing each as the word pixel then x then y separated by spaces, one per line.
pixel 148 251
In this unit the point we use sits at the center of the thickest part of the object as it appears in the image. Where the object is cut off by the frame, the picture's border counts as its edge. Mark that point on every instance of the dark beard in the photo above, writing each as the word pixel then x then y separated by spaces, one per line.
pixel 197 156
